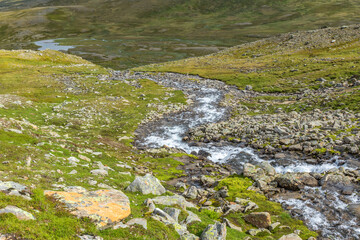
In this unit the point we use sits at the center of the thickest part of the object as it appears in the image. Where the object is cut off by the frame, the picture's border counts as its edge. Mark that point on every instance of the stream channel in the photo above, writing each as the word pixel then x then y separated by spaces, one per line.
pixel 206 96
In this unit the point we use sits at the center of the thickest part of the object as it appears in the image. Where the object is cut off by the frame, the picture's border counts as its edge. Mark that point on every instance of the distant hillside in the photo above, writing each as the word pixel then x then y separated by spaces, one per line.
pixel 205 24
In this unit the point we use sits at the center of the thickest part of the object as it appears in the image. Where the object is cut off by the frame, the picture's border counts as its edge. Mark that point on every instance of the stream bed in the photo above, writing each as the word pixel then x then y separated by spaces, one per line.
pixel 322 210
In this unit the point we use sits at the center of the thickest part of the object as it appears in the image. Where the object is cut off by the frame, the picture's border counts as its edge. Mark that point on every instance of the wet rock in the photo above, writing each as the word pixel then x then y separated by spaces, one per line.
pixel 173 200
pixel 291 236
pixel 18 212
pixel 215 231
pixel 146 185
pixel 103 207
pixel 259 219
pixel 139 221
pixel 270 170
pixel 296 181
pixel 337 181
pixel 355 209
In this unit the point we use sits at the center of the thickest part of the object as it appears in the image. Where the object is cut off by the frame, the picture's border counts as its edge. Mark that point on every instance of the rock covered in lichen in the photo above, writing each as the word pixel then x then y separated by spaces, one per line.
pixel 146 185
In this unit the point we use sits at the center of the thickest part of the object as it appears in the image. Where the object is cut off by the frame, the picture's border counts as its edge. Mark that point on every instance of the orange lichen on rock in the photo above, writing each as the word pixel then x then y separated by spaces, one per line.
pixel 104 207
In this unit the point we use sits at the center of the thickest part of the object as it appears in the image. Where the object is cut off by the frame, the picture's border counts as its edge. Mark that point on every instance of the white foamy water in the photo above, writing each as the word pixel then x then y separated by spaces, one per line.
pixel 316 220
pixel 305 167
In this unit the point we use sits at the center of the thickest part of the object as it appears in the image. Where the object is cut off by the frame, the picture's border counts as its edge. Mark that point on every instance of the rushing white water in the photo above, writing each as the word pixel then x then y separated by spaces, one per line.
pixel 305 167
pixel 206 109
pixel 51 44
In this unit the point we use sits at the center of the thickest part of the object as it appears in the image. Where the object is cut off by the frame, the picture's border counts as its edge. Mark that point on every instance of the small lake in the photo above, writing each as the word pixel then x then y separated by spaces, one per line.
pixel 52 44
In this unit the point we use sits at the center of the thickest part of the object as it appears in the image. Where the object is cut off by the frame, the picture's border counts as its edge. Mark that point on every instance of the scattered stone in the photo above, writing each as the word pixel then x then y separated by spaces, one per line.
pixel 191 192
pixel 259 219
pixel 173 212
pixel 139 221
pixel 291 236
pixel 90 237
pixel 13 188
pixel 175 200
pixel 254 232
pixel 146 185
pixel 104 207
pixel 192 217
pixel 18 212
pixel 99 172
pixel 120 225
pixel 231 225
pixel 215 231
pixel 273 226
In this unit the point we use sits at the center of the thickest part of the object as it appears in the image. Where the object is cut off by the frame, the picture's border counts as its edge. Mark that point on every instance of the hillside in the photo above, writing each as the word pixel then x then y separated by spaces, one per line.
pixel 125 33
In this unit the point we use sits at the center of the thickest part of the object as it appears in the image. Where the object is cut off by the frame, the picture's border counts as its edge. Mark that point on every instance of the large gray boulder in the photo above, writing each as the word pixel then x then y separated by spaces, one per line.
pixel 146 185
pixel 18 212
pixel 215 231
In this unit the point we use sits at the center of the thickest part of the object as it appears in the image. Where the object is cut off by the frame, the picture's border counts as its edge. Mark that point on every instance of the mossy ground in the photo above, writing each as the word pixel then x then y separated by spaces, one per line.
pixel 55 122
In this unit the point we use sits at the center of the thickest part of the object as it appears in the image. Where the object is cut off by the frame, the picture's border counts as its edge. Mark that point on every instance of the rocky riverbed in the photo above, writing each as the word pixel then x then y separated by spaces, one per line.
pixel 316 185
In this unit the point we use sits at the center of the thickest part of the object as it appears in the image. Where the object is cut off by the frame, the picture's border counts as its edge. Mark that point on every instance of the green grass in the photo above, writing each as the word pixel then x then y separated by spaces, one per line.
pixel 86 119
pixel 272 70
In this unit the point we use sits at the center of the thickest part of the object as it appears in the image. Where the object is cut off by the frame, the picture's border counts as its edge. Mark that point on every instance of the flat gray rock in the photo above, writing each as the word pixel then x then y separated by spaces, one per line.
pixel 18 212
pixel 173 200
pixel 146 185
pixel 215 231
pixel 139 221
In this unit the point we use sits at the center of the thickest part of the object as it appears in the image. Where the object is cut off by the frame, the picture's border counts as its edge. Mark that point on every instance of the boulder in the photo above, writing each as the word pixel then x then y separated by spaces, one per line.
pixel 296 181
pixel 18 212
pixel 173 212
pixel 355 209
pixel 139 221
pixel 291 236
pixel 103 207
pixel 13 188
pixel 173 200
pixel 259 219
pixel 192 217
pixel 337 181
pixel 254 232
pixel 146 185
pixel 191 192
pixel 215 231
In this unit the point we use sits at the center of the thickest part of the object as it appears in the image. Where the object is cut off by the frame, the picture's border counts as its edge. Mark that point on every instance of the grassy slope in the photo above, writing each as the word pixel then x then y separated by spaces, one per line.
pixel 57 123
pixel 286 63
